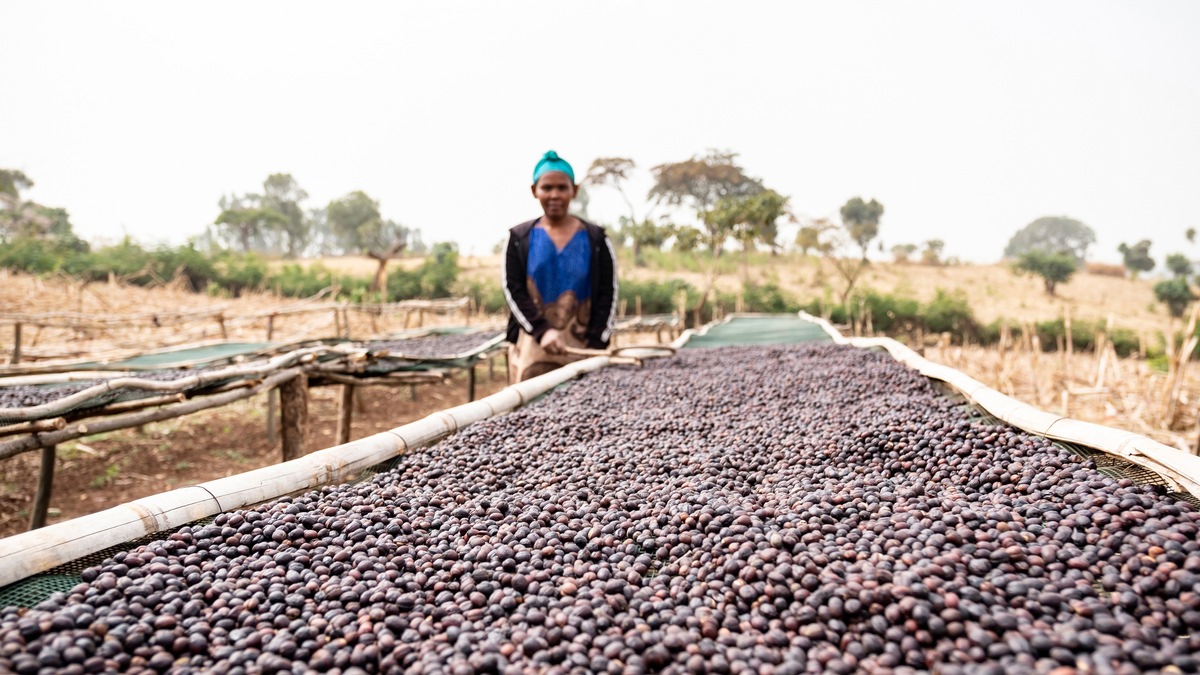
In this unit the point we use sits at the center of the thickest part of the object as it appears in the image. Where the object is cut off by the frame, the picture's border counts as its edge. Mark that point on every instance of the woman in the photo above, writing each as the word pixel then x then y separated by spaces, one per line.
pixel 559 278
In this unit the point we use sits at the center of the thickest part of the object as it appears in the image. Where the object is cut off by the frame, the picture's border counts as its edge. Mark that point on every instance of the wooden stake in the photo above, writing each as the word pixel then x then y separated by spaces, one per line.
pixel 345 413
pixel 293 398
pixel 637 302
pixel 270 327
pixel 273 416
pixel 221 323
pixel 471 383
pixel 16 354
pixel 41 501
pixel 1070 337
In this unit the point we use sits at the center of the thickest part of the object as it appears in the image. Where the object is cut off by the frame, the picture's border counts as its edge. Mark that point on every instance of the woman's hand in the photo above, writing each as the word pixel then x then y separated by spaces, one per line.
pixel 553 343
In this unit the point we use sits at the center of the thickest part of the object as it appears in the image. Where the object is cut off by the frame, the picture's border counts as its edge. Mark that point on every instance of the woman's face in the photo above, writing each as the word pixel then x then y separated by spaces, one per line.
pixel 555 191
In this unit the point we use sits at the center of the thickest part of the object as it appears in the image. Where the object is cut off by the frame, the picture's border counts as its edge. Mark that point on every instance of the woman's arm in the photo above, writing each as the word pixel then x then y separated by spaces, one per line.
pixel 520 303
pixel 604 297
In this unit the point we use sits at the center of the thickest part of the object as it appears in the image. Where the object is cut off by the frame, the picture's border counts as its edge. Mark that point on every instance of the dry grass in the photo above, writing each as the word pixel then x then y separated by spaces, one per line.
pixel 33 295
pixel 993 291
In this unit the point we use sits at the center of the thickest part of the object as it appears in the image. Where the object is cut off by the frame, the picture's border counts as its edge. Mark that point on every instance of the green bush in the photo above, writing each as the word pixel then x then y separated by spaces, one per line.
pixel 488 297
pixel 949 312
pixel 768 297
pixel 658 297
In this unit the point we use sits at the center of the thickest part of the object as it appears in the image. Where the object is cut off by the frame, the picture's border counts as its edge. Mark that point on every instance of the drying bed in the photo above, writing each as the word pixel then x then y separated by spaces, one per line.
pixel 810 508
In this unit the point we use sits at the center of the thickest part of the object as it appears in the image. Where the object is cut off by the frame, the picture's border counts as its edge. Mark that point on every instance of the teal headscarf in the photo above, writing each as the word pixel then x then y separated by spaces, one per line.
pixel 552 162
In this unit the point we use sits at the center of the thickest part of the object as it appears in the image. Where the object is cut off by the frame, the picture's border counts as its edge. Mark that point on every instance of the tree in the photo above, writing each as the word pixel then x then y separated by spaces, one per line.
pixel 861 220
pixel 646 234
pixel 26 218
pixel 687 239
pixel 932 255
pixel 700 183
pixel 612 171
pixel 1052 234
pixel 1175 294
pixel 283 194
pixel 357 225
pixel 835 247
pixel 244 221
pixel 1053 268
pixel 1137 257
pixel 1179 265
pixel 901 253
pixel 809 236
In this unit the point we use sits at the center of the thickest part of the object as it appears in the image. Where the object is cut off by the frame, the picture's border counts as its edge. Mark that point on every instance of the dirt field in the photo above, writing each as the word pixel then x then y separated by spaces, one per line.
pixel 107 470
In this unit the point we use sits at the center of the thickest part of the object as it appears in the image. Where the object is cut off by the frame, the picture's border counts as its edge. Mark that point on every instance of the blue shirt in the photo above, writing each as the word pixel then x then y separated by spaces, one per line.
pixel 555 272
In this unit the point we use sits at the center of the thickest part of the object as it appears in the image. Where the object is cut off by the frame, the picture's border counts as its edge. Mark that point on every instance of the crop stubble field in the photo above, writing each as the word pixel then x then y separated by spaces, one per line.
pixel 803 509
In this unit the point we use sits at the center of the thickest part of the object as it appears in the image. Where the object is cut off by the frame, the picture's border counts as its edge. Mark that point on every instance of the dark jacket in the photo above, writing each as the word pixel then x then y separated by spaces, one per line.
pixel 525 315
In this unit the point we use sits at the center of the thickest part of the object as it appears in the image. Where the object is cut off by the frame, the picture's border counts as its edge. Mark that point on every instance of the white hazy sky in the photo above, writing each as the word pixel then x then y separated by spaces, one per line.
pixel 967 120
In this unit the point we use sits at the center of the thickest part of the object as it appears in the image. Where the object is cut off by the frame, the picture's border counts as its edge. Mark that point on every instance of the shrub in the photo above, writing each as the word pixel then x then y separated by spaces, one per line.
pixel 949 312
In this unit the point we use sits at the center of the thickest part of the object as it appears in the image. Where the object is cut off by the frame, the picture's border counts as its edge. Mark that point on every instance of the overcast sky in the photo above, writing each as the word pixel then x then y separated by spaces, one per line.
pixel 966 120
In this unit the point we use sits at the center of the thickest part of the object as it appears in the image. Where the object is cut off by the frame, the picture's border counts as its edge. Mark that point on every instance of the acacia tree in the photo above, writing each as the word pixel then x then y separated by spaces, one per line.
pixel 612 172
pixel 1179 265
pixel 1137 257
pixel 1052 234
pixel 246 222
pixel 902 253
pixel 1053 268
pixel 699 183
pixel 283 194
pixel 356 223
pixel 861 220
pixel 932 255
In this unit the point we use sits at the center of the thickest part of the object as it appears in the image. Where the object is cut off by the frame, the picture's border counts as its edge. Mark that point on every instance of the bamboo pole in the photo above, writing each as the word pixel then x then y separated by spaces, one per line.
pixel 78 430
pixel 293 409
pixel 45 487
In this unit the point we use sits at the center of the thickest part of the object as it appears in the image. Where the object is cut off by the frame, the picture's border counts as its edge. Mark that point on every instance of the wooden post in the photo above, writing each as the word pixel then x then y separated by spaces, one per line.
pixel 221 323
pixel 41 502
pixel 471 383
pixel 270 327
pixel 345 413
pixel 337 322
pixel 491 368
pixel 1070 351
pixel 293 398
pixel 637 303
pixel 345 323
pixel 16 355
pixel 273 417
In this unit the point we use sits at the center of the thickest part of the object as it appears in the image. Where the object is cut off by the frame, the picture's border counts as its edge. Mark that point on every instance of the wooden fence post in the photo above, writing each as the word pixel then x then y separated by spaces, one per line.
pixel 270 327
pixel 345 414
pixel 471 383
pixel 41 502
pixel 293 409
pixel 16 355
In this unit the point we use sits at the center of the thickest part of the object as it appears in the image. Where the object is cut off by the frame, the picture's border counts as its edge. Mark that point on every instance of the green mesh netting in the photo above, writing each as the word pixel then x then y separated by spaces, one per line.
pixel 194 357
pixel 783 329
